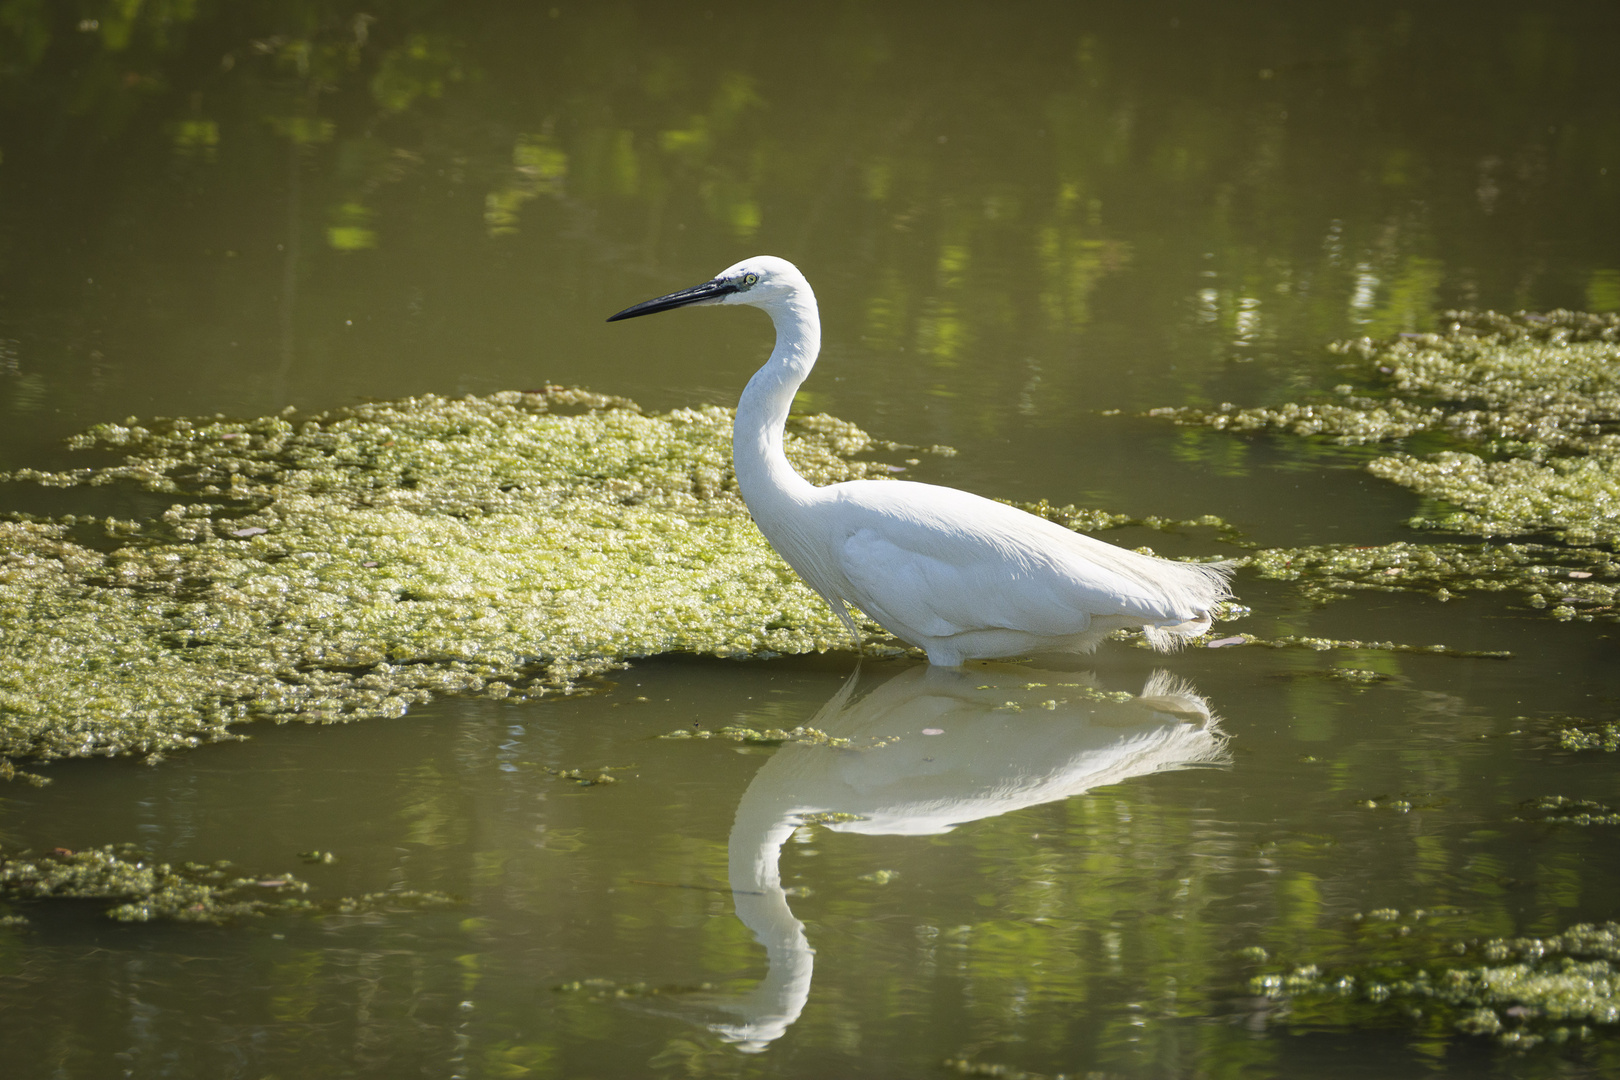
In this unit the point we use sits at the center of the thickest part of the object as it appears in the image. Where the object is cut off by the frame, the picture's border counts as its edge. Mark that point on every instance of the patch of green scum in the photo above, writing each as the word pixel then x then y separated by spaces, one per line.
pixel 191 892
pixel 1574 583
pixel 1606 738
pixel 1527 385
pixel 353 562
pixel 1322 644
pixel 581 777
pixel 1522 991
pixel 1559 810
pixel 1576 499
pixel 1085 519
pixel 1530 405
pixel 1358 677
pixel 804 736
pixel 829 817
pixel 1403 803
pixel 1074 692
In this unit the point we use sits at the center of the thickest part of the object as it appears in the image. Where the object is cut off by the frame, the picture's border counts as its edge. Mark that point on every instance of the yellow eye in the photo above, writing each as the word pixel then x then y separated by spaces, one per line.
pixel 750 279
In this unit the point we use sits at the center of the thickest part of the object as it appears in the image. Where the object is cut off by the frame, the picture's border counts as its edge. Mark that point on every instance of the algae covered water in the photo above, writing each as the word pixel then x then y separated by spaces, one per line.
pixel 393 684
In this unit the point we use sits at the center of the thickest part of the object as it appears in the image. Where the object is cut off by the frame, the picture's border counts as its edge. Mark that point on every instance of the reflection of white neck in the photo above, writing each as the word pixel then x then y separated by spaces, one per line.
pixel 756 881
pixel 988 759
pixel 761 826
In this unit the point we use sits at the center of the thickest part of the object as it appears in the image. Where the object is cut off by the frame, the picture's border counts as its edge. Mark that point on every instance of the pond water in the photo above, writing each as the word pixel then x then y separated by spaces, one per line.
pixel 1026 225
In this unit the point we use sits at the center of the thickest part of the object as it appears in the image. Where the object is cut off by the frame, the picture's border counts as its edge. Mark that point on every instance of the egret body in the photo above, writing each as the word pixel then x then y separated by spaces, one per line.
pixel 957 575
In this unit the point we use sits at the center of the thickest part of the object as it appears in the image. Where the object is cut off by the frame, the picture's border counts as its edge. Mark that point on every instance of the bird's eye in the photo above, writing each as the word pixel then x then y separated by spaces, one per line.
pixel 750 279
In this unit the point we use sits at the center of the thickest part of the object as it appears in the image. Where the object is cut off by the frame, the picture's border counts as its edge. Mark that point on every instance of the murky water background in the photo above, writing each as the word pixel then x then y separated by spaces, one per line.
pixel 1014 218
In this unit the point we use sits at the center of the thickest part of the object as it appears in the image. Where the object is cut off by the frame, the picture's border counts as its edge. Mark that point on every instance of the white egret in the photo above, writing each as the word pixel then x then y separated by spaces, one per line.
pixel 956 575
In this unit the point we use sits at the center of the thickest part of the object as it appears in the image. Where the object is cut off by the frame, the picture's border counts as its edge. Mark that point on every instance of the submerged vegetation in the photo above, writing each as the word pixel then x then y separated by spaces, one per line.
pixel 350 563
pixel 1523 413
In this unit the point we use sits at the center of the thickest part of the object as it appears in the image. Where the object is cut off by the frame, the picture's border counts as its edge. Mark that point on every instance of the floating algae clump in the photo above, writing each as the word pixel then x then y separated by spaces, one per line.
pixel 350 563
pixel 1576 583
pixel 1527 409
pixel 1523 991
pixel 191 892
pixel 1562 810
pixel 1605 738
pixel 804 736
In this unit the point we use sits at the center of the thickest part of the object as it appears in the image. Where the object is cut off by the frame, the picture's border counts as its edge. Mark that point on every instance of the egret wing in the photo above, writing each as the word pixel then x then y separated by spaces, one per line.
pixel 944 562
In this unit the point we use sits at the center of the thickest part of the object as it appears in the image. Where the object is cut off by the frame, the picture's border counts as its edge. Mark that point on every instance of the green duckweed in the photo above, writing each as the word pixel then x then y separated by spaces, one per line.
pixel 1572 584
pixel 144 889
pixel 1606 738
pixel 1562 810
pixel 1090 519
pixel 580 777
pixel 1525 385
pixel 801 735
pixel 1525 409
pixel 352 563
pixel 1522 991
pixel 1323 644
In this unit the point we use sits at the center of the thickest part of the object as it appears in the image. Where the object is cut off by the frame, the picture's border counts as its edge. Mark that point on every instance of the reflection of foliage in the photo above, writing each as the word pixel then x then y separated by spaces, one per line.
pixel 1107 126
pixel 423 67
pixel 541 168
pixel 350 233
pixel 726 184
pixel 286 61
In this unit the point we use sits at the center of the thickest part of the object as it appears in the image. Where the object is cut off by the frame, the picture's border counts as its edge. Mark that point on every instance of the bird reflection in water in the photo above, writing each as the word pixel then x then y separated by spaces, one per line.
pixel 999 738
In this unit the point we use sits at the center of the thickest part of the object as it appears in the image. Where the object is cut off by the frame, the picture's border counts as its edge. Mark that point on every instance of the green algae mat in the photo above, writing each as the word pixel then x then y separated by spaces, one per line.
pixel 347 564
pixel 1521 991
pixel 1508 427
pixel 142 889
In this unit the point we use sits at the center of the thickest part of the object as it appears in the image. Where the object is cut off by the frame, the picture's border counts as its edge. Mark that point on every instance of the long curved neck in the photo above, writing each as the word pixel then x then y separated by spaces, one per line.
pixel 763 472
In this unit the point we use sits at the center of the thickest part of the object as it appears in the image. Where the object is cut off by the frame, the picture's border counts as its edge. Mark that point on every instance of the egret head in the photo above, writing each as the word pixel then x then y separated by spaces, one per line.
pixel 762 281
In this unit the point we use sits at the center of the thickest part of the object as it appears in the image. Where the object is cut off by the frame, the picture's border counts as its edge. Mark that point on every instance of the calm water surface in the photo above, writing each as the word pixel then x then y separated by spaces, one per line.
pixel 1015 217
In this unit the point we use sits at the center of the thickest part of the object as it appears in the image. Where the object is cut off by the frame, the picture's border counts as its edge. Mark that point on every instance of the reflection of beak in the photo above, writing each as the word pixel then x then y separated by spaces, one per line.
pixel 697 294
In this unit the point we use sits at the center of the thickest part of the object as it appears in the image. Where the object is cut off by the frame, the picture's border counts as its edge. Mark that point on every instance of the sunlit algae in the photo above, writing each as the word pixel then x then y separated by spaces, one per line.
pixel 143 889
pixel 350 563
pixel 1525 413
pixel 1522 991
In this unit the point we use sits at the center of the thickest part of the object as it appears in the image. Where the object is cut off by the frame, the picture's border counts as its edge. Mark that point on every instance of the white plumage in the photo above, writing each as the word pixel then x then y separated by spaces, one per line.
pixel 957 575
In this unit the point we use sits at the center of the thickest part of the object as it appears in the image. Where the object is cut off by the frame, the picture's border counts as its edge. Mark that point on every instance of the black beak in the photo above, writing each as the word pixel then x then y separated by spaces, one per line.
pixel 709 290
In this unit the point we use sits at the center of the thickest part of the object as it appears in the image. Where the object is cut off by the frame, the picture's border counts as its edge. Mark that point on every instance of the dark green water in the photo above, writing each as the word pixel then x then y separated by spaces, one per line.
pixel 1014 217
